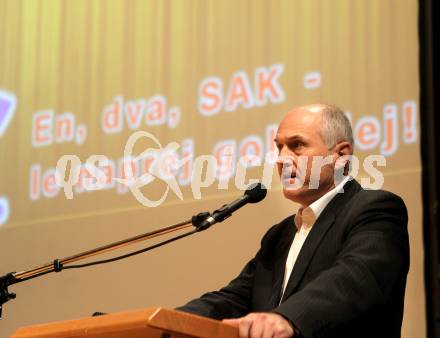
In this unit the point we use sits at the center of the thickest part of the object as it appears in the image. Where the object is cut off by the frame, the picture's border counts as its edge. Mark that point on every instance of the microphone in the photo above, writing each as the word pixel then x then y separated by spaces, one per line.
pixel 255 193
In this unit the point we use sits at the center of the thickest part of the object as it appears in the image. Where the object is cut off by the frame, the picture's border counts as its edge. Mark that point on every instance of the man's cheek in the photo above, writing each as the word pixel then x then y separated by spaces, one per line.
pixel 303 168
pixel 279 168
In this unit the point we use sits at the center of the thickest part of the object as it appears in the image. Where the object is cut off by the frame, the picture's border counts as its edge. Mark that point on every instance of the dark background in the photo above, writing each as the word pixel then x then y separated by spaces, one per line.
pixel 430 149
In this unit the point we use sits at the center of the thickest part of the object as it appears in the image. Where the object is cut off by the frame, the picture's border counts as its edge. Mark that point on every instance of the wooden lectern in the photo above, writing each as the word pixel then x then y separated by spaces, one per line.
pixel 147 323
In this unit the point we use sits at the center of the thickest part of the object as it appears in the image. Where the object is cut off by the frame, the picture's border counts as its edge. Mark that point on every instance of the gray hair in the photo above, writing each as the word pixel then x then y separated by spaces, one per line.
pixel 335 126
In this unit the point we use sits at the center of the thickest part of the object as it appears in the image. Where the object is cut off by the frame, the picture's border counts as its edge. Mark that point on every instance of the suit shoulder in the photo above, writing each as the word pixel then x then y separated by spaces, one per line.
pixel 376 205
pixel 384 197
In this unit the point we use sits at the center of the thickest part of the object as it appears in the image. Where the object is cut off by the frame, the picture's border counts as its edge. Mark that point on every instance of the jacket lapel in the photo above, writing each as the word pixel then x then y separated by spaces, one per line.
pixel 313 239
pixel 281 253
pixel 320 228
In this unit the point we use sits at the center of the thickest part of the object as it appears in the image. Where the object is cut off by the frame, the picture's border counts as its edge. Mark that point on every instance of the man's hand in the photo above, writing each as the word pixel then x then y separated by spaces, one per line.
pixel 262 325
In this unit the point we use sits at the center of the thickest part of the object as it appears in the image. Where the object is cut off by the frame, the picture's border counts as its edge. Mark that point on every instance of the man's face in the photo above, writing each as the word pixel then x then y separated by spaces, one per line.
pixel 300 145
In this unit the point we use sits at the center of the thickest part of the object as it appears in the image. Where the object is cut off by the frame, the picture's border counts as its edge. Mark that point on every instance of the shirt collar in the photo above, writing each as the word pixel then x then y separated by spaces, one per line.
pixel 307 216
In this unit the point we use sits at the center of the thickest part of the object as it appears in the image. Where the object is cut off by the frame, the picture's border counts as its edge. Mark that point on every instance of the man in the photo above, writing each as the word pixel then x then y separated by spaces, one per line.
pixel 336 269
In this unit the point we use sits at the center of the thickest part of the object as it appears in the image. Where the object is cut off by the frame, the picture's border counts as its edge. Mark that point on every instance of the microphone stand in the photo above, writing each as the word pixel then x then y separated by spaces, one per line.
pixel 58 264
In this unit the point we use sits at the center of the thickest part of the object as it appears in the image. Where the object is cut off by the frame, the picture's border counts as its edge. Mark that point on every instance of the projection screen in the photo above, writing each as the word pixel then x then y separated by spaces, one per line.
pixel 92 85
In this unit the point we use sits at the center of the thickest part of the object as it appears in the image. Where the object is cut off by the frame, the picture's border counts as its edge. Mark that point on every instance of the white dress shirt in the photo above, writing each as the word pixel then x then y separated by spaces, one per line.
pixel 304 221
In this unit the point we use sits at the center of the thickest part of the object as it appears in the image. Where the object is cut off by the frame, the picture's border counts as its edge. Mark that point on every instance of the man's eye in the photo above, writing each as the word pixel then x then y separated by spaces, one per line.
pixel 296 144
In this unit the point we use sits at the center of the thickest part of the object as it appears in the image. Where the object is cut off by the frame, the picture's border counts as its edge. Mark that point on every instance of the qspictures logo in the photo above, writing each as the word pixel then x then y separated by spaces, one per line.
pixel 164 163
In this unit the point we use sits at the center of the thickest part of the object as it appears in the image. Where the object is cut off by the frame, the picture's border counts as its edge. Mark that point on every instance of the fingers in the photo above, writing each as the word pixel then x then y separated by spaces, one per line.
pixel 244 327
pixel 257 327
pixel 242 324
pixel 262 325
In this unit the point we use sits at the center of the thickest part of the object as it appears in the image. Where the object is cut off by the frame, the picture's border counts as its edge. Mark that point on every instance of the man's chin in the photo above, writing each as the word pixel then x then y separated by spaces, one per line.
pixel 293 183
pixel 293 194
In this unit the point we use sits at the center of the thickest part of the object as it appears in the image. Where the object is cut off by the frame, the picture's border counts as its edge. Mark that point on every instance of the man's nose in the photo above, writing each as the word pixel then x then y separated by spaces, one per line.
pixel 286 162
pixel 285 156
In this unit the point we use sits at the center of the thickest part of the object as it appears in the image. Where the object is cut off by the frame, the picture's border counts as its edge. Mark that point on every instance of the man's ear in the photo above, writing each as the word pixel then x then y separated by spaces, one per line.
pixel 343 148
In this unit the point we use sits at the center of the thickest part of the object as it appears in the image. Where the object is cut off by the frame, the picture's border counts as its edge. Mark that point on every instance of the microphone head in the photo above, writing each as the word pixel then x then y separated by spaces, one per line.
pixel 255 193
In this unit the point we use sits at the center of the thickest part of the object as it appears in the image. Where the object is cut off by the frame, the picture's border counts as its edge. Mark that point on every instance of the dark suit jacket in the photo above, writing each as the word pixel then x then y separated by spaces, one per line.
pixel 349 278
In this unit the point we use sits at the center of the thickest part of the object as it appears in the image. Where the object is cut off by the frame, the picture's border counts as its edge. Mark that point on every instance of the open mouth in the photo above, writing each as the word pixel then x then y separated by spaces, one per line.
pixel 288 174
pixel 287 180
pixel 287 171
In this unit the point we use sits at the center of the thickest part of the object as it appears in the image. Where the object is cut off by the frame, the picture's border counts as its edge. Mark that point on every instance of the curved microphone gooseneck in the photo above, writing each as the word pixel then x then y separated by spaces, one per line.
pixel 202 221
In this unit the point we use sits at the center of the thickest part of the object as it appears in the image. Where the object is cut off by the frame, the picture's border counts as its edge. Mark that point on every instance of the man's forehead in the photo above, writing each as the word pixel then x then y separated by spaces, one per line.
pixel 300 122
pixel 296 133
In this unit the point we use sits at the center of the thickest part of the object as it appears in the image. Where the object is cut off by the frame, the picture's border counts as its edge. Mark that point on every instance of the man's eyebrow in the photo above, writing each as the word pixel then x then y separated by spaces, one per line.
pixel 291 138
pixel 295 138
